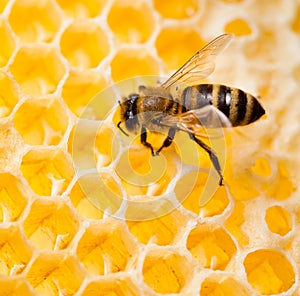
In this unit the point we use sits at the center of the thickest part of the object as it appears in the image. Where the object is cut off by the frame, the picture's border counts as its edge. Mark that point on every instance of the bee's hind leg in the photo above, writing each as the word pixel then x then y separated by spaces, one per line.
pixel 168 140
pixel 144 140
pixel 213 157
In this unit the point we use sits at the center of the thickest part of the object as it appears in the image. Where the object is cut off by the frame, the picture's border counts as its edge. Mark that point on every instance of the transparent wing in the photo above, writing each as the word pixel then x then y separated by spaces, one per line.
pixel 203 122
pixel 201 64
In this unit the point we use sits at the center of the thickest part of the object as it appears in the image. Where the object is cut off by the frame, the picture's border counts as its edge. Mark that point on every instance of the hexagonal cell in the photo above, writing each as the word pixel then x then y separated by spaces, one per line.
pixel 80 87
pixel 176 44
pixel 13 198
pixel 49 117
pixel 34 22
pixel 190 190
pixel 136 18
pixel 8 43
pixel 211 246
pixel 82 9
pixel 223 285
pixel 121 286
pixel 239 27
pixel 106 247
pixel 269 271
pixel 235 222
pixel 87 54
pixel 165 271
pixel 142 174
pixel 278 220
pixel 48 171
pixel 15 253
pixel 55 274
pixel 165 230
pixel 177 9
pixel 8 95
pixel 128 63
pixel 16 286
pixel 96 193
pixel 50 225
pixel 38 69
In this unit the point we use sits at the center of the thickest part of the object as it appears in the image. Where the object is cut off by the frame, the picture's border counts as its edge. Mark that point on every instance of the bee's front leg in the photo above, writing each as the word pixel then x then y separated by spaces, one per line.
pixel 144 140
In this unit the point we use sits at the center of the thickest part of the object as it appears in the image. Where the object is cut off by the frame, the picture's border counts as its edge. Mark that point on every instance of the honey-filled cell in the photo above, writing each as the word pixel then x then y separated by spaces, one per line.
pixel 87 54
pixel 50 225
pixel 269 271
pixel 137 21
pixel 47 171
pixel 38 69
pixel 49 117
pixel 35 22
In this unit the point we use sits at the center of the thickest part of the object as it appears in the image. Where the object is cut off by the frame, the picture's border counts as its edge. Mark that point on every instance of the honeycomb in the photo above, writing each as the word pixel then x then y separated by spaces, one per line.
pixel 86 210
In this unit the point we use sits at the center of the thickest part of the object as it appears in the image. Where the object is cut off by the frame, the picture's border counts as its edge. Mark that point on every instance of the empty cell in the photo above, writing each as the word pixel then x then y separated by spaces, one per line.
pixel 177 9
pixel 48 171
pixel 50 225
pixel 55 274
pixel 176 44
pixel 128 63
pixel 15 253
pixel 162 231
pixel 35 22
pixel 223 285
pixel 106 247
pixel 81 8
pixel 8 95
pixel 269 271
pixel 166 271
pixel 87 54
pixel 38 69
pixel 136 19
pixel 8 43
pixel 49 117
pixel 121 286
pixel 13 198
pixel 238 27
pixel 278 220
pixel 211 246
pixel 80 88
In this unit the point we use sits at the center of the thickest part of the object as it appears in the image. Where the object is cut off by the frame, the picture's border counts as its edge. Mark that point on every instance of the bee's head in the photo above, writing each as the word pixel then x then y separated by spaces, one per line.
pixel 128 113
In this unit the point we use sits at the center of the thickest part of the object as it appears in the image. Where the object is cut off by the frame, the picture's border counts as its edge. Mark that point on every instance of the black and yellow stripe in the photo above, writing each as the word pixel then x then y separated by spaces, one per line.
pixel 240 107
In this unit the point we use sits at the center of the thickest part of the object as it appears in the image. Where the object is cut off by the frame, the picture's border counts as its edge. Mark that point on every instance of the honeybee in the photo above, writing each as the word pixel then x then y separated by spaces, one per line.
pixel 182 104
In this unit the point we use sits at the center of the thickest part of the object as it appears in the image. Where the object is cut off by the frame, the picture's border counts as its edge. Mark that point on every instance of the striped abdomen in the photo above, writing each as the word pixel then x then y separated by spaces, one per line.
pixel 241 108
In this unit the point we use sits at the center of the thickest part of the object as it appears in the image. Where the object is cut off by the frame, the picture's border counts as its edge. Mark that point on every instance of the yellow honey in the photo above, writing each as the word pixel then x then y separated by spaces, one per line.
pixel 85 210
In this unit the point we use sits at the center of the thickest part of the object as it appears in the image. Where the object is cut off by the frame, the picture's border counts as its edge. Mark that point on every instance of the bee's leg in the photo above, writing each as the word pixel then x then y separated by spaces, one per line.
pixel 212 155
pixel 144 140
pixel 168 140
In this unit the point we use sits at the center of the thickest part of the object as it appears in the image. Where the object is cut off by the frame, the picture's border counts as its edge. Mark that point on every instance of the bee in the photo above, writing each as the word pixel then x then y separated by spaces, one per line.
pixel 182 104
